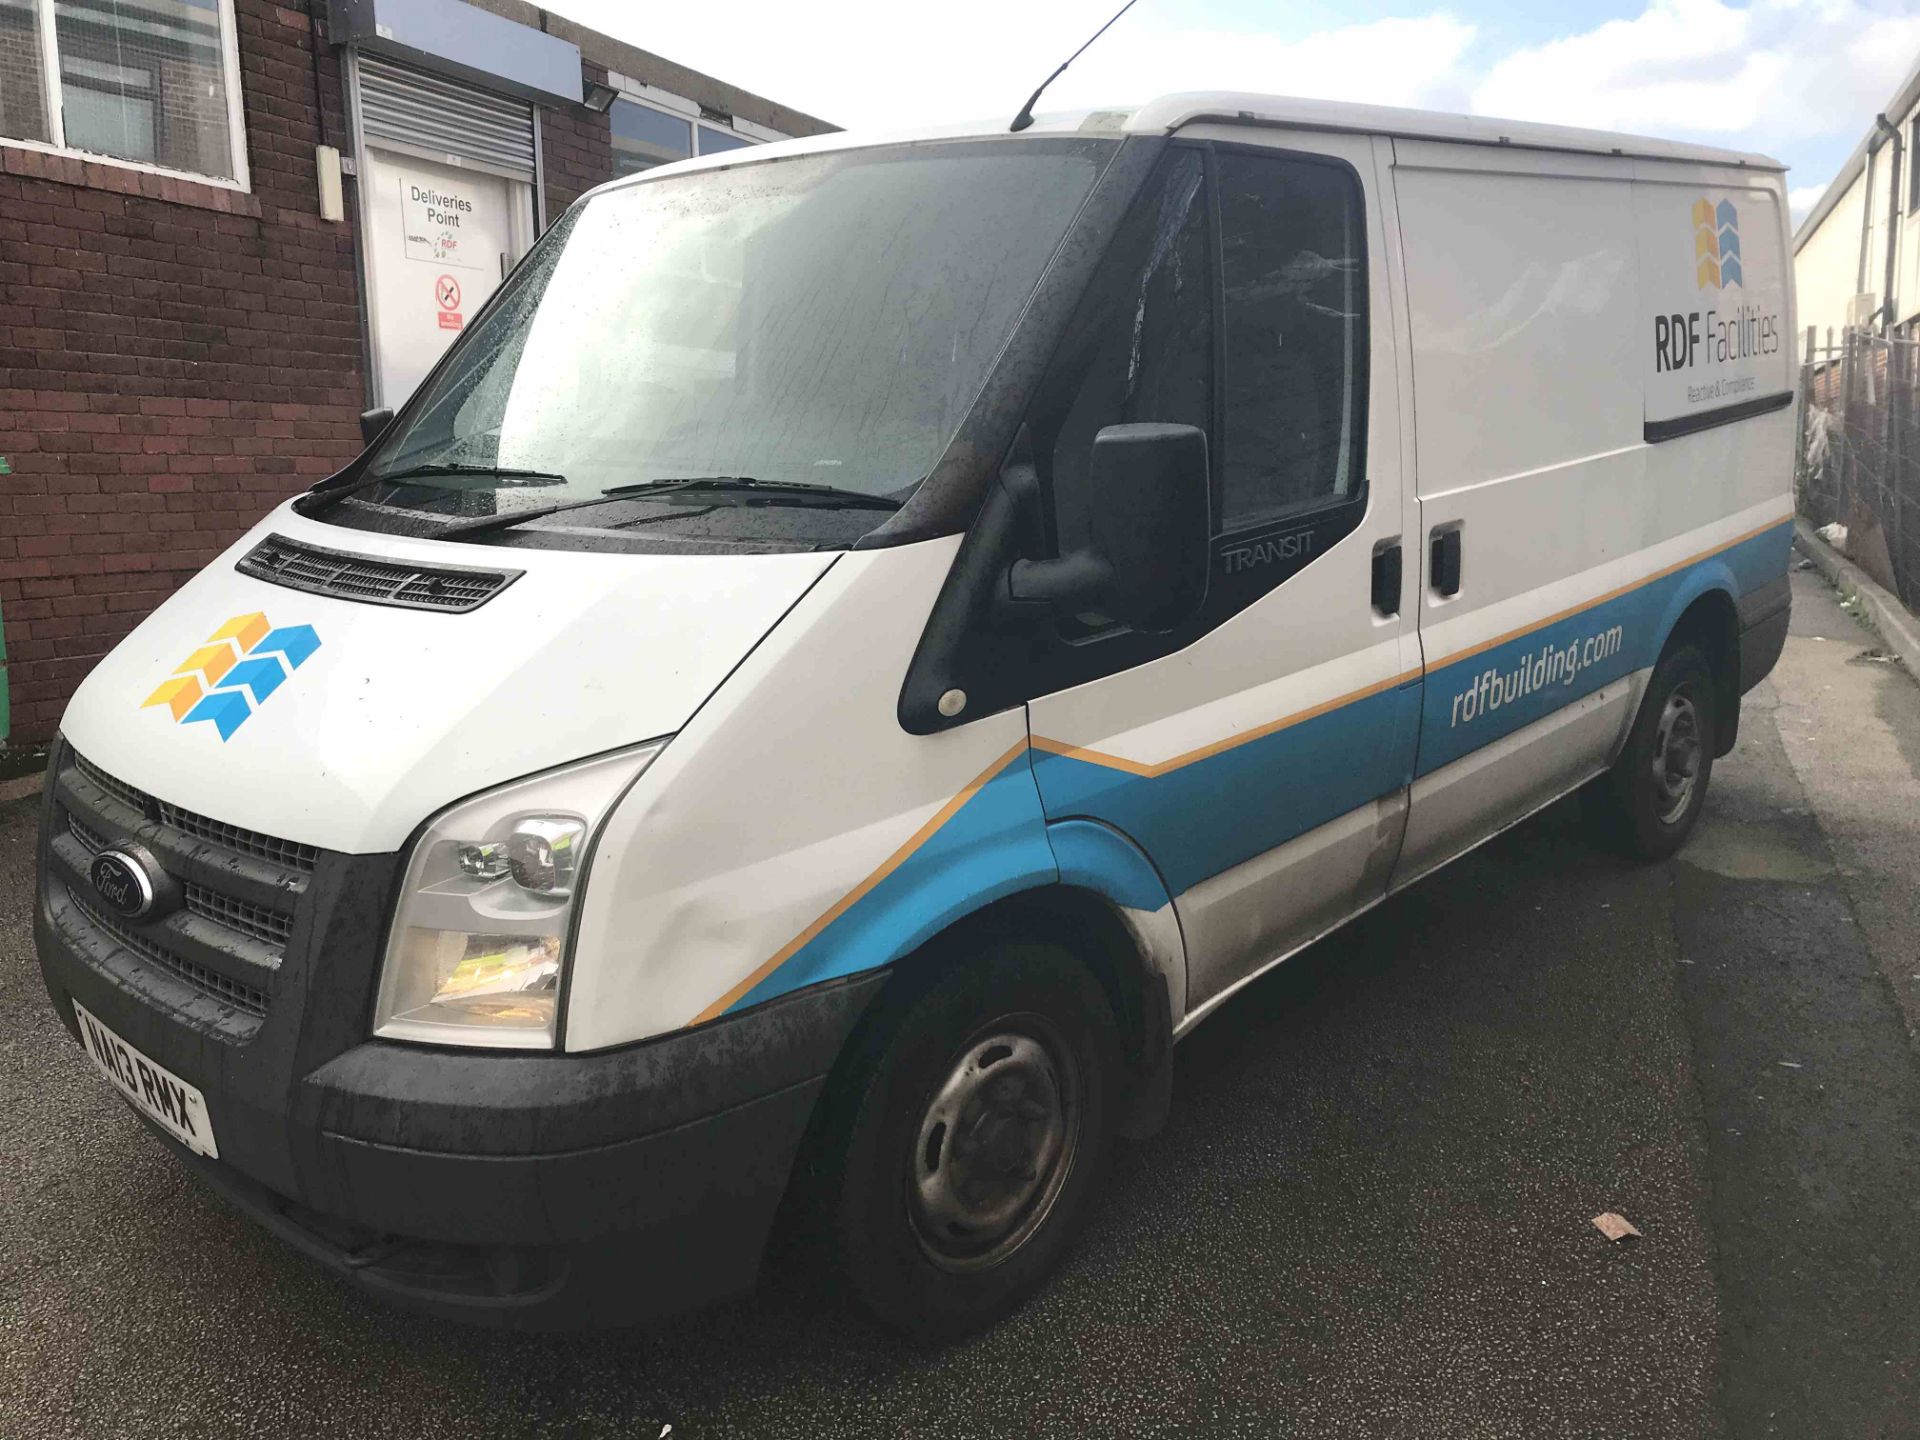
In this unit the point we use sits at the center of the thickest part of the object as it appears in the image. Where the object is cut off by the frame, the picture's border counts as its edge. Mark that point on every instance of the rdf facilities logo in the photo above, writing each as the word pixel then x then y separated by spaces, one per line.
pixel 231 676
pixel 1716 243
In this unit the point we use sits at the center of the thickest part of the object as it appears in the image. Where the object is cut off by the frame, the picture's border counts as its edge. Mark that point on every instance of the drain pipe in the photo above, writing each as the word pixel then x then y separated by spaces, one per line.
pixel 1892 132
pixel 1866 213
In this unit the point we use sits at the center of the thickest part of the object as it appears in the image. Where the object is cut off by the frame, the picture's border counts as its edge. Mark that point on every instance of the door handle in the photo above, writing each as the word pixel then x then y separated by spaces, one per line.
pixel 1386 577
pixel 1443 561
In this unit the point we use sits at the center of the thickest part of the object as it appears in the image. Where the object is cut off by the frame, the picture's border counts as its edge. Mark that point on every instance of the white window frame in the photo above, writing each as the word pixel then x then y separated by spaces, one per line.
pixel 638 92
pixel 56 144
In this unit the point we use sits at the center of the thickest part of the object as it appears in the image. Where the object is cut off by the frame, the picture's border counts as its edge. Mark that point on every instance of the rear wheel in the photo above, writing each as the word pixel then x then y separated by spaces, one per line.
pixel 966 1138
pixel 1646 805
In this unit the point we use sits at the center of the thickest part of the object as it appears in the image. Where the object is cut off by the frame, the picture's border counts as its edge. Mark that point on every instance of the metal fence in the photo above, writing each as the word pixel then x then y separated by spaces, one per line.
pixel 1859 452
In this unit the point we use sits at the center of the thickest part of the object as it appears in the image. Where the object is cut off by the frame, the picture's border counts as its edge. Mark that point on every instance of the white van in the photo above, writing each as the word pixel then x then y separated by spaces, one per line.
pixel 862 646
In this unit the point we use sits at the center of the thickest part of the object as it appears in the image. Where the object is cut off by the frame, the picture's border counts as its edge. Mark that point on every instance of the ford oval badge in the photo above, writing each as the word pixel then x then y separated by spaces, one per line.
pixel 122 881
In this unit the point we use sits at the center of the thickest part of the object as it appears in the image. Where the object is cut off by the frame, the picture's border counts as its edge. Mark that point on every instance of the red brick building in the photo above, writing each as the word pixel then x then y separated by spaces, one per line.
pixel 214 255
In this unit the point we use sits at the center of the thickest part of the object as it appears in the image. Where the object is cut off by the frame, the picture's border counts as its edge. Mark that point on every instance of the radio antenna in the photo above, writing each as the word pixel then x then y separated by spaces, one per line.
pixel 1025 117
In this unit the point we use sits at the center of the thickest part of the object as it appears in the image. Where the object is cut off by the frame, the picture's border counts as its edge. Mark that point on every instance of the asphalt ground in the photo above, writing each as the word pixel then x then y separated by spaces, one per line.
pixel 1369 1213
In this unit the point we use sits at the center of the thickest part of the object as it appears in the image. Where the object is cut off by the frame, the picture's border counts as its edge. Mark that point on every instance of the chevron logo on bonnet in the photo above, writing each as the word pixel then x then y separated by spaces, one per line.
pixel 233 674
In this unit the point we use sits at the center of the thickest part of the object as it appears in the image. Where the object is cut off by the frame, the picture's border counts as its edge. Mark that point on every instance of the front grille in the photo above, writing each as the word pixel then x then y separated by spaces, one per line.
pixel 298 566
pixel 249 919
pixel 255 902
pixel 119 789
pixel 208 982
pixel 188 822
pixel 233 837
pixel 86 834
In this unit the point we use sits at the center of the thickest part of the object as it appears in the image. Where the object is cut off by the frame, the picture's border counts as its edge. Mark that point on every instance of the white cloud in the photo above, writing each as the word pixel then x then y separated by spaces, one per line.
pixel 877 63
pixel 1765 76
pixel 1801 199
pixel 1796 78
pixel 1403 61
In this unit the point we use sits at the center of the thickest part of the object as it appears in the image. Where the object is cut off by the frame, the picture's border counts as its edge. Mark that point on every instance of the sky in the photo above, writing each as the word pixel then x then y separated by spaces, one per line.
pixel 1796 79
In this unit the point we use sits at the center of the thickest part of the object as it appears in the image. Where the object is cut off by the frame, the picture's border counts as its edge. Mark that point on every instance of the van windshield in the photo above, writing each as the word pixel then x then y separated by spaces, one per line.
pixel 821 321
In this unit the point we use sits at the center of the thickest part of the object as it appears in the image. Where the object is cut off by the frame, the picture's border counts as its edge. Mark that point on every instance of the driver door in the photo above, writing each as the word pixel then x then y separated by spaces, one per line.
pixel 1261 756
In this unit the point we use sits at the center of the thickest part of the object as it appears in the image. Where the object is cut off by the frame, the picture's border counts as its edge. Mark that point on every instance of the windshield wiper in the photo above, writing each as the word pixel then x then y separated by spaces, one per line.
pixel 795 492
pixel 484 472
pixel 831 495
pixel 507 518
pixel 331 495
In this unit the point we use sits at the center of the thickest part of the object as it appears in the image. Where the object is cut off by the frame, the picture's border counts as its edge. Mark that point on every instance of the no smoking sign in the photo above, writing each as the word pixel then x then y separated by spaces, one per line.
pixel 446 294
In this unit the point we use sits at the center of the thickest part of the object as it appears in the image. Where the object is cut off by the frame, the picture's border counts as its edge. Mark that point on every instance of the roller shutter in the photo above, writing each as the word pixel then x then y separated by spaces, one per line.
pixel 441 119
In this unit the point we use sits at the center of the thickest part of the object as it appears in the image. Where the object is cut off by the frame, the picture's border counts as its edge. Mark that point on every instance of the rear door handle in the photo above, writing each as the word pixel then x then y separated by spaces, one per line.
pixel 1386 578
pixel 1443 561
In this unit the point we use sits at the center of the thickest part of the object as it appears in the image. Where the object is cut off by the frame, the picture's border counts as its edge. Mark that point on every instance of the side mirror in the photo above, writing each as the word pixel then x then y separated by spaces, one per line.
pixel 373 424
pixel 1151 550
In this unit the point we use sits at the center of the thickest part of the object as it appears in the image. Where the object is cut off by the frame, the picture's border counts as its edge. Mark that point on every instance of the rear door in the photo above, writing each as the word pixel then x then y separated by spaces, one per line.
pixel 1260 758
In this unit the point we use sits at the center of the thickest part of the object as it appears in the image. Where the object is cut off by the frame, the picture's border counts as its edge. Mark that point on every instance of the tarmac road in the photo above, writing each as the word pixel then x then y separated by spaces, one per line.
pixel 1368 1215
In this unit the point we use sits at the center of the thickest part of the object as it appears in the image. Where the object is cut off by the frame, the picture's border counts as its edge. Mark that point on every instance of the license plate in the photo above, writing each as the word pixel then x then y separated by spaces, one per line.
pixel 155 1091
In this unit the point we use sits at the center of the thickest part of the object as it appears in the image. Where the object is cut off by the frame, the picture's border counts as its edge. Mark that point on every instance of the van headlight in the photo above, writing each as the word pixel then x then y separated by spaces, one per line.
pixel 479 937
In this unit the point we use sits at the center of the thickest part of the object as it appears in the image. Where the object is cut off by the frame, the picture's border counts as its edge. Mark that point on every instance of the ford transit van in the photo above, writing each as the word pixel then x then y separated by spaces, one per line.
pixel 864 645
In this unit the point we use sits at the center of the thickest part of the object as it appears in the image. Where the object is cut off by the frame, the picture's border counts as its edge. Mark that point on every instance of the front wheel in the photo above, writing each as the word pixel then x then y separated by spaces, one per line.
pixel 971 1127
pixel 1646 805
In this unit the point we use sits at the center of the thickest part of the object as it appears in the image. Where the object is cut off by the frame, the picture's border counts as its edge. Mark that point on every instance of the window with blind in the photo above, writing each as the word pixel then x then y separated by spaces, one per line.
pixel 154 83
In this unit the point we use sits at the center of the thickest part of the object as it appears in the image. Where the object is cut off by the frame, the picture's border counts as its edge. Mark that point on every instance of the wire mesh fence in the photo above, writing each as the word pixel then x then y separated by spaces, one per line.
pixel 1858 463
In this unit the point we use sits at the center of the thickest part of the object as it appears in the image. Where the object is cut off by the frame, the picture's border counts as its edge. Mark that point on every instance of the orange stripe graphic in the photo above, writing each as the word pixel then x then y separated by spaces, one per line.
pixel 846 902
pixel 1135 767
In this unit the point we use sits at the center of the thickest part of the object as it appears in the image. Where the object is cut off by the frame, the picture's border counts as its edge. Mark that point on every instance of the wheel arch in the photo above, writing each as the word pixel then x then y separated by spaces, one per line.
pixel 1084 920
pixel 1107 906
pixel 1704 614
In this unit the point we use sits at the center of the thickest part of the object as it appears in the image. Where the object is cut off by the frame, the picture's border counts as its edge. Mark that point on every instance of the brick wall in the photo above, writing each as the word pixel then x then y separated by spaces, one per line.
pixel 576 149
pixel 175 359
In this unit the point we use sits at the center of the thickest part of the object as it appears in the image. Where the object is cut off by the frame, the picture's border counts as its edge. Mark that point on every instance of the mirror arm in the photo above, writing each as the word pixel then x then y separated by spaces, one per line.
pixel 1079 578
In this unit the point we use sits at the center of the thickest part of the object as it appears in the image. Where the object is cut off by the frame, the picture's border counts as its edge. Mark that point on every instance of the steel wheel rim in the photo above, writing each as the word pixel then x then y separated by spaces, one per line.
pixel 1677 756
pixel 995 1144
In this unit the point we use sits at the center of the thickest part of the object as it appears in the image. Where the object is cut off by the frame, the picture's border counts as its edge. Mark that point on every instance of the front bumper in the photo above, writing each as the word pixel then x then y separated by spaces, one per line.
pixel 541 1191
pixel 642 1189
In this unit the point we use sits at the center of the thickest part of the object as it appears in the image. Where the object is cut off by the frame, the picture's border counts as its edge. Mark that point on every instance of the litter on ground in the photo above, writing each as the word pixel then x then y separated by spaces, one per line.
pixel 1615 1227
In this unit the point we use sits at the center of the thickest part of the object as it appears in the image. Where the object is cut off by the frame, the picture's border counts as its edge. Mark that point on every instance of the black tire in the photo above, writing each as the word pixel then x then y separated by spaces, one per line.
pixel 893 1130
pixel 1646 805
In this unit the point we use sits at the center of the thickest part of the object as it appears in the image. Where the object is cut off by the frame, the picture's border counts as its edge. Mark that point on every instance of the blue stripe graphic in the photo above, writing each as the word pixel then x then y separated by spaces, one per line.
pixel 992 846
pixel 1228 807
pixel 1216 812
pixel 1452 726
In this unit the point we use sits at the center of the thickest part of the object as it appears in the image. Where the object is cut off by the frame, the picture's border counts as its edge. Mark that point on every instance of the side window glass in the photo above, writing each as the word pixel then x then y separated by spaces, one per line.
pixel 1293 269
pixel 1141 347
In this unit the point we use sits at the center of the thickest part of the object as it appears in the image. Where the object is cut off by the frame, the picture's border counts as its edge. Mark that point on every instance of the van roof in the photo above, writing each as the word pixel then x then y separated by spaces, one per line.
pixel 1169 112
pixel 1234 107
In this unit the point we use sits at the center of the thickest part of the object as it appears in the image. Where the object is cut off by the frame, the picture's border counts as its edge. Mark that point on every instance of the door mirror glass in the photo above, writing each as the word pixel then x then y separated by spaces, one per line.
pixel 1149 548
